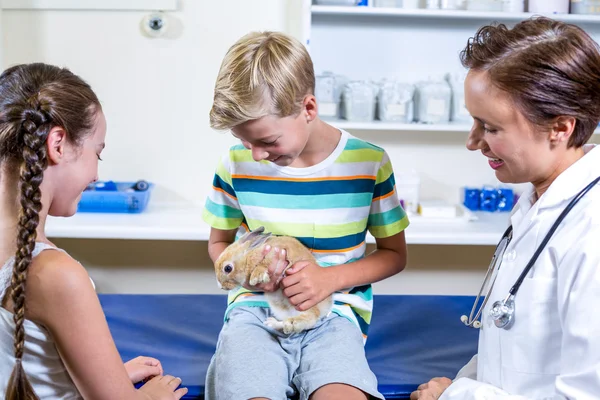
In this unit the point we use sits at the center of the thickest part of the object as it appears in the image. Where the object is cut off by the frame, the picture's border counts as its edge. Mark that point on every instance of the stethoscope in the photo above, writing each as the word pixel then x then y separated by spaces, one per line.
pixel 503 311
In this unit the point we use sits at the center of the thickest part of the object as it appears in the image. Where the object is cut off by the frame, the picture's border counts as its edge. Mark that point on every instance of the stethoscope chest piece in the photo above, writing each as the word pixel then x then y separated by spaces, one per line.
pixel 503 312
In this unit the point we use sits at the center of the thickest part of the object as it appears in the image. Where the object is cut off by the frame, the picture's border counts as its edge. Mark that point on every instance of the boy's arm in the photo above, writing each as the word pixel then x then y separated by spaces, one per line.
pixel 308 284
pixel 387 221
pixel 222 211
pixel 387 260
pixel 218 240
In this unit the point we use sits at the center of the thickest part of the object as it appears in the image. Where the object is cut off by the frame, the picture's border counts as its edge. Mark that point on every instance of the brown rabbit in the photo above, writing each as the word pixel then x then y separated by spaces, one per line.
pixel 243 262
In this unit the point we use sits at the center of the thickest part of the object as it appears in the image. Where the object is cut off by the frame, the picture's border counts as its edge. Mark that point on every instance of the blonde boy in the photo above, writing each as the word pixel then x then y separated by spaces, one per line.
pixel 296 175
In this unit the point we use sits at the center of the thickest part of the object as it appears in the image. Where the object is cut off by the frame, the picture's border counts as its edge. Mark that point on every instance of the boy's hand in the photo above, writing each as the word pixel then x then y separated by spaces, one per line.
pixel 307 284
pixel 143 368
pixel 431 390
pixel 276 270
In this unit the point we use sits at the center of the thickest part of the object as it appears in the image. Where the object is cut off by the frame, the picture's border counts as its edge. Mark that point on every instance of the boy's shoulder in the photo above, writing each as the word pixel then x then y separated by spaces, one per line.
pixel 360 150
pixel 236 153
pixel 355 143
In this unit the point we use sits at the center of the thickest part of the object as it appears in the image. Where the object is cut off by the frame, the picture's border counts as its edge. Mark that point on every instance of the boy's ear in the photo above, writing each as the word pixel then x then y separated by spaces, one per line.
pixel 55 145
pixel 310 107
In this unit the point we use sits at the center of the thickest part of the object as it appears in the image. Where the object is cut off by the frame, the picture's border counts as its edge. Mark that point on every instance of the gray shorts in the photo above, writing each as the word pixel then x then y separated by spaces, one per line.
pixel 253 360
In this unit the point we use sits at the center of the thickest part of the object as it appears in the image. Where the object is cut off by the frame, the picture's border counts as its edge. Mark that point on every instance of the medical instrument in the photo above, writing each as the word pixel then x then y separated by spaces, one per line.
pixel 503 311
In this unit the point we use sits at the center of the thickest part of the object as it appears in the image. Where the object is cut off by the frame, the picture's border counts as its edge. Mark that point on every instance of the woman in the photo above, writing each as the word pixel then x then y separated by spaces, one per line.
pixel 534 94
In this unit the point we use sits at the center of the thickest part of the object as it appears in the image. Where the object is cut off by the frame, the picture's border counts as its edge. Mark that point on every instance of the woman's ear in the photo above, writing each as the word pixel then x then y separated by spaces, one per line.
pixel 55 145
pixel 561 130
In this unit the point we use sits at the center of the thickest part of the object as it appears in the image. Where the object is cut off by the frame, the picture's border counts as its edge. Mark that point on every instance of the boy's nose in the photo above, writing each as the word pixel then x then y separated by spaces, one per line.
pixel 258 153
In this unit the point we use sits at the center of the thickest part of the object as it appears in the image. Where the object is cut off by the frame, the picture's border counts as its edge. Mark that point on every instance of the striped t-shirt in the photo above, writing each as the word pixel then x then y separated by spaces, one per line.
pixel 328 207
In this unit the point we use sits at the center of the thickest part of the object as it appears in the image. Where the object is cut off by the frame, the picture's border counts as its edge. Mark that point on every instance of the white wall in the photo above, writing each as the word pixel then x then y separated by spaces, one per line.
pixel 157 93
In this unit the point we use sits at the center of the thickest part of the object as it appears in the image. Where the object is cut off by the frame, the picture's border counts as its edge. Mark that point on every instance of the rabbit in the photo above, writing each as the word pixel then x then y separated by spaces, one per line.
pixel 243 262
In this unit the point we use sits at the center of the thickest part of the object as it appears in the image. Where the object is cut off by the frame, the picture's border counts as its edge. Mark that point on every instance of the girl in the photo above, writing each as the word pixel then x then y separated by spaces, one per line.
pixel 54 339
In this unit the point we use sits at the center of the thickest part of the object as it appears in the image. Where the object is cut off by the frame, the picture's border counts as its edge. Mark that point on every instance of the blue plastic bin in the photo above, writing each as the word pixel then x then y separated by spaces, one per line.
pixel 122 200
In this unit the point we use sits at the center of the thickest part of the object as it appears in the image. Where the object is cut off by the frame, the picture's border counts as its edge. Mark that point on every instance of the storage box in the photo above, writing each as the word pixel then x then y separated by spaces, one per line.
pixel 115 197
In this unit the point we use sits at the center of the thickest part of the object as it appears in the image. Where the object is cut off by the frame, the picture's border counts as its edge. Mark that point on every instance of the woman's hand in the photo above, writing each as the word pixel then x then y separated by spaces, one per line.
pixel 431 390
pixel 143 368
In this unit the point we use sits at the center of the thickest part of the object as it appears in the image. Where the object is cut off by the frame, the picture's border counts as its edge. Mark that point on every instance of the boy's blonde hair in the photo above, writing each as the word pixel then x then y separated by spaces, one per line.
pixel 263 73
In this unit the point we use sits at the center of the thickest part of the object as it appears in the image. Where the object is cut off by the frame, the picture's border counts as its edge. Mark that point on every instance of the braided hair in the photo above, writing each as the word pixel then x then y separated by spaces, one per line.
pixel 34 98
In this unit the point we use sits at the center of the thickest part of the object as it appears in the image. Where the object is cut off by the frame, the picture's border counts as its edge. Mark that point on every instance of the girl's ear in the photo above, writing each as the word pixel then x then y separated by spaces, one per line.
pixel 55 145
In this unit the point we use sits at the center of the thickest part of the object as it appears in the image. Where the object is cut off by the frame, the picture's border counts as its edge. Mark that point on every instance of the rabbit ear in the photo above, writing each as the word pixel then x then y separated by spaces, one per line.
pixel 257 241
pixel 252 235
pixel 256 237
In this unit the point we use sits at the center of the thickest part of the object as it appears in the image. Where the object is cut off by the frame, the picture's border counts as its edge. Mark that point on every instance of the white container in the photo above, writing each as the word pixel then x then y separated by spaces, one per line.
pixel 395 102
pixel 484 5
pixel 387 3
pixel 437 209
pixel 408 184
pixel 513 6
pixel 337 2
pixel 411 4
pixel 549 6
pixel 591 7
pixel 432 4
pixel 453 4
pixel 358 101
pixel 432 102
pixel 326 94
pixel 458 109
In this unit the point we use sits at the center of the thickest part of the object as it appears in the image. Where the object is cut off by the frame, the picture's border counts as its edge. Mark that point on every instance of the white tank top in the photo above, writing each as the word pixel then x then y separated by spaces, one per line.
pixel 41 361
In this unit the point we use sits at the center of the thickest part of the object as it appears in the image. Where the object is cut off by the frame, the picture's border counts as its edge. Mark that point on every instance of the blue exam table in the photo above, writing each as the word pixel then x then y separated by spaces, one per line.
pixel 411 339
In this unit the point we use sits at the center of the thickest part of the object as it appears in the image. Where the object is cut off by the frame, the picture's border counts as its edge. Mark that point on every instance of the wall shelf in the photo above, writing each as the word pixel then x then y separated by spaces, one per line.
pixel 444 14
pixel 400 127
pixel 184 222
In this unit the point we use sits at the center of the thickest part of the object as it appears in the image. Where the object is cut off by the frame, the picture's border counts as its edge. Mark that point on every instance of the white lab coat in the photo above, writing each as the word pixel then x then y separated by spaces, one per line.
pixel 553 349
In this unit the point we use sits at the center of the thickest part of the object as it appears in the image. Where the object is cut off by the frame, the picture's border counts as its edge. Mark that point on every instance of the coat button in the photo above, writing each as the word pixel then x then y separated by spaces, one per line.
pixel 511 255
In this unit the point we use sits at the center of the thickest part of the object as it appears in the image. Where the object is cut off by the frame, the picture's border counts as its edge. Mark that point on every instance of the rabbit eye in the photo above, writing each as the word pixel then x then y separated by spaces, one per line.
pixel 228 268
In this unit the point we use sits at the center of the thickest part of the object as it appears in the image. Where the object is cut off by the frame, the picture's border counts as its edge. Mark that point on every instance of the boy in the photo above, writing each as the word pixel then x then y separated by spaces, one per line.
pixel 298 176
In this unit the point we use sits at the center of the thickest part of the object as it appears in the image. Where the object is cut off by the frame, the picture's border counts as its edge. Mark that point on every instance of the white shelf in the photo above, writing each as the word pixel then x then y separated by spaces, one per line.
pixel 392 126
pixel 163 5
pixel 445 14
pixel 163 222
pixel 398 127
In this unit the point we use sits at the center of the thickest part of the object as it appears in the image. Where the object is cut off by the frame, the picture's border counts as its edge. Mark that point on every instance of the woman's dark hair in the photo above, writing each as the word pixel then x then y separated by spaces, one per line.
pixel 549 68
pixel 34 98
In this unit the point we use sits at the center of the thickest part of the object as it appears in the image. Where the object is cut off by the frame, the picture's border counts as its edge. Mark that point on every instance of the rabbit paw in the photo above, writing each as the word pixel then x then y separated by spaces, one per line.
pixel 292 325
pixel 274 323
pixel 259 276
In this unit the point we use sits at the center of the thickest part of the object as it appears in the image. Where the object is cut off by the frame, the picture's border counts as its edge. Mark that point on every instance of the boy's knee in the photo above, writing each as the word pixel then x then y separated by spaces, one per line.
pixel 338 391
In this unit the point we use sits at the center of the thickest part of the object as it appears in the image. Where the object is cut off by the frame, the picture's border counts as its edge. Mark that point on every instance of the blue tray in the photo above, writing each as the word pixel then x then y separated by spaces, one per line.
pixel 114 197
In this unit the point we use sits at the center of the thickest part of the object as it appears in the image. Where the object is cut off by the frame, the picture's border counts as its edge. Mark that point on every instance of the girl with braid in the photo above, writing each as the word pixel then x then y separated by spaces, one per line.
pixel 54 339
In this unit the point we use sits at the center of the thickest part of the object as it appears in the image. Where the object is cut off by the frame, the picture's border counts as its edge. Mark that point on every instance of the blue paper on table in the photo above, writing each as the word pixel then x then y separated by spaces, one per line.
pixel 115 197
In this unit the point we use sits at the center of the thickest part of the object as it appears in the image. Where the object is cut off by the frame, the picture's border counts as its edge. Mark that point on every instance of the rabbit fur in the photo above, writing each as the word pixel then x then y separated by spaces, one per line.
pixel 243 262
